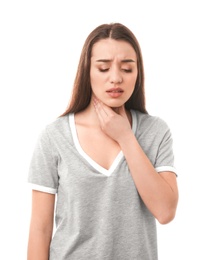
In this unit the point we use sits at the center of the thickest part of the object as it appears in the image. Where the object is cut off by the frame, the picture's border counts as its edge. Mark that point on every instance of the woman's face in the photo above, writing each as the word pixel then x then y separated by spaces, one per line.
pixel 113 71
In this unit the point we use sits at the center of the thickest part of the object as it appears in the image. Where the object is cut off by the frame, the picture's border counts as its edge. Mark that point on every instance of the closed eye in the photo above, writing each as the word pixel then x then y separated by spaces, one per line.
pixel 103 70
pixel 127 71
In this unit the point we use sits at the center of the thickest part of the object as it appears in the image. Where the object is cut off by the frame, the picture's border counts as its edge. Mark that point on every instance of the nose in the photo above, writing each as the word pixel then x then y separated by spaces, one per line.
pixel 115 76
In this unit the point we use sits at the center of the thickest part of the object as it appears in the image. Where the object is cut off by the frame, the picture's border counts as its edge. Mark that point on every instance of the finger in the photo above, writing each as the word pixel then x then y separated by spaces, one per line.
pixel 101 113
pixel 103 109
pixel 108 110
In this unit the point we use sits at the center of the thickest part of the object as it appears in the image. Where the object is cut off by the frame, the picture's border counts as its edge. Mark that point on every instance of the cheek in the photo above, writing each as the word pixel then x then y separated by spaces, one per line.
pixel 94 77
pixel 131 83
pixel 95 86
pixel 97 81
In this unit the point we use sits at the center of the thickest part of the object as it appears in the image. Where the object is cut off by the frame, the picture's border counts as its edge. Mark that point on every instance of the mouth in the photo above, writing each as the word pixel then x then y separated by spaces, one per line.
pixel 115 90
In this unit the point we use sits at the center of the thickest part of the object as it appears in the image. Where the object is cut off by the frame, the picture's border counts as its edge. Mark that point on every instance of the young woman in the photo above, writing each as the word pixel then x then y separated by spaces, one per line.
pixel 108 161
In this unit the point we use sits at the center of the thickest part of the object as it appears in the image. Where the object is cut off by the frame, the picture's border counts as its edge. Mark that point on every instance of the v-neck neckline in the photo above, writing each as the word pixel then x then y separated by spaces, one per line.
pixel 91 162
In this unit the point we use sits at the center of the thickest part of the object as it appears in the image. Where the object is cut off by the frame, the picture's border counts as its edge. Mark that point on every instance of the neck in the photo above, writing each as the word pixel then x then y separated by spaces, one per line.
pixel 88 116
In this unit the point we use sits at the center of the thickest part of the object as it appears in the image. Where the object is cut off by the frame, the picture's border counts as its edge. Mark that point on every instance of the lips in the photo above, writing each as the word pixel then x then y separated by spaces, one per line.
pixel 115 90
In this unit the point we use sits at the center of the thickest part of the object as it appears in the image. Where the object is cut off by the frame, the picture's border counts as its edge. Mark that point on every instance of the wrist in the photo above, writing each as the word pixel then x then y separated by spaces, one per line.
pixel 126 138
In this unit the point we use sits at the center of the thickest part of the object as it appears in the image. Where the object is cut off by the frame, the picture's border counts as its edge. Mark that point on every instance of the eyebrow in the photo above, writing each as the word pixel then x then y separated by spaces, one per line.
pixel 122 61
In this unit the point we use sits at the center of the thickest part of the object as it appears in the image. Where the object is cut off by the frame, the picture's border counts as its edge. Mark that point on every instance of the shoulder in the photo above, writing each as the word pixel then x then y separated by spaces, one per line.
pixel 58 124
pixel 56 127
pixel 150 123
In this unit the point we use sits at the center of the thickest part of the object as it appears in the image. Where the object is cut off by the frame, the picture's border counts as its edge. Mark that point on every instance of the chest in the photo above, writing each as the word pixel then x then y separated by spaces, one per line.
pixel 98 146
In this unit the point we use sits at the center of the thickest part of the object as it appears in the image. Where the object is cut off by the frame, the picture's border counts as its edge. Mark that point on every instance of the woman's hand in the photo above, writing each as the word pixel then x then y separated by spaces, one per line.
pixel 114 123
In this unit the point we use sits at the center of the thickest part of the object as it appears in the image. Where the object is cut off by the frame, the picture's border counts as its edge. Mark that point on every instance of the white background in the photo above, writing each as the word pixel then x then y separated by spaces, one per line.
pixel 40 44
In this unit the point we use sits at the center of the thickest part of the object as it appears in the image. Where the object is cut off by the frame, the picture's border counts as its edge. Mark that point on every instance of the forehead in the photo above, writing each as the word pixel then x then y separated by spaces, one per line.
pixel 112 49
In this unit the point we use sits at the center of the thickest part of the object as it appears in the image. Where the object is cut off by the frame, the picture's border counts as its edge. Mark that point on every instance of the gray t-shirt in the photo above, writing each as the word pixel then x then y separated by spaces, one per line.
pixel 99 213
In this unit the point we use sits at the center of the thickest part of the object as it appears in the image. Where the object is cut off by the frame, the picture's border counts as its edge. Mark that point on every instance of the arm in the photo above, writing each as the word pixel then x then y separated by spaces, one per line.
pixel 41 225
pixel 158 191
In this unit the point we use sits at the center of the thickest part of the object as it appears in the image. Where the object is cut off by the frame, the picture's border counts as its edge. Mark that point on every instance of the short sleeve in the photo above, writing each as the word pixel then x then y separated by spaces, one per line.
pixel 165 155
pixel 43 173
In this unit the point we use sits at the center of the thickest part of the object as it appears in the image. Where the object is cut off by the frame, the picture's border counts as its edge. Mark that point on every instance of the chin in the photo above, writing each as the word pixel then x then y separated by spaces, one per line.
pixel 114 103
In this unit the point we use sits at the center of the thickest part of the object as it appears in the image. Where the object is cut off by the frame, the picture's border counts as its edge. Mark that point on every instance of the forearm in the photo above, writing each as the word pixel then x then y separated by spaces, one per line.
pixel 38 245
pixel 157 194
pixel 41 225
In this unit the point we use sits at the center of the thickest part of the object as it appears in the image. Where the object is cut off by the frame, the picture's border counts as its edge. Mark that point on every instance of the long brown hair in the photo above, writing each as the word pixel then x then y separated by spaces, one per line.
pixel 81 94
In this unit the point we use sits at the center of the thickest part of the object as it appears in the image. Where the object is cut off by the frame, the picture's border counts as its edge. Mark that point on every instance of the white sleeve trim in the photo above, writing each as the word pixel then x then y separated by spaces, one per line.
pixel 166 169
pixel 43 188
